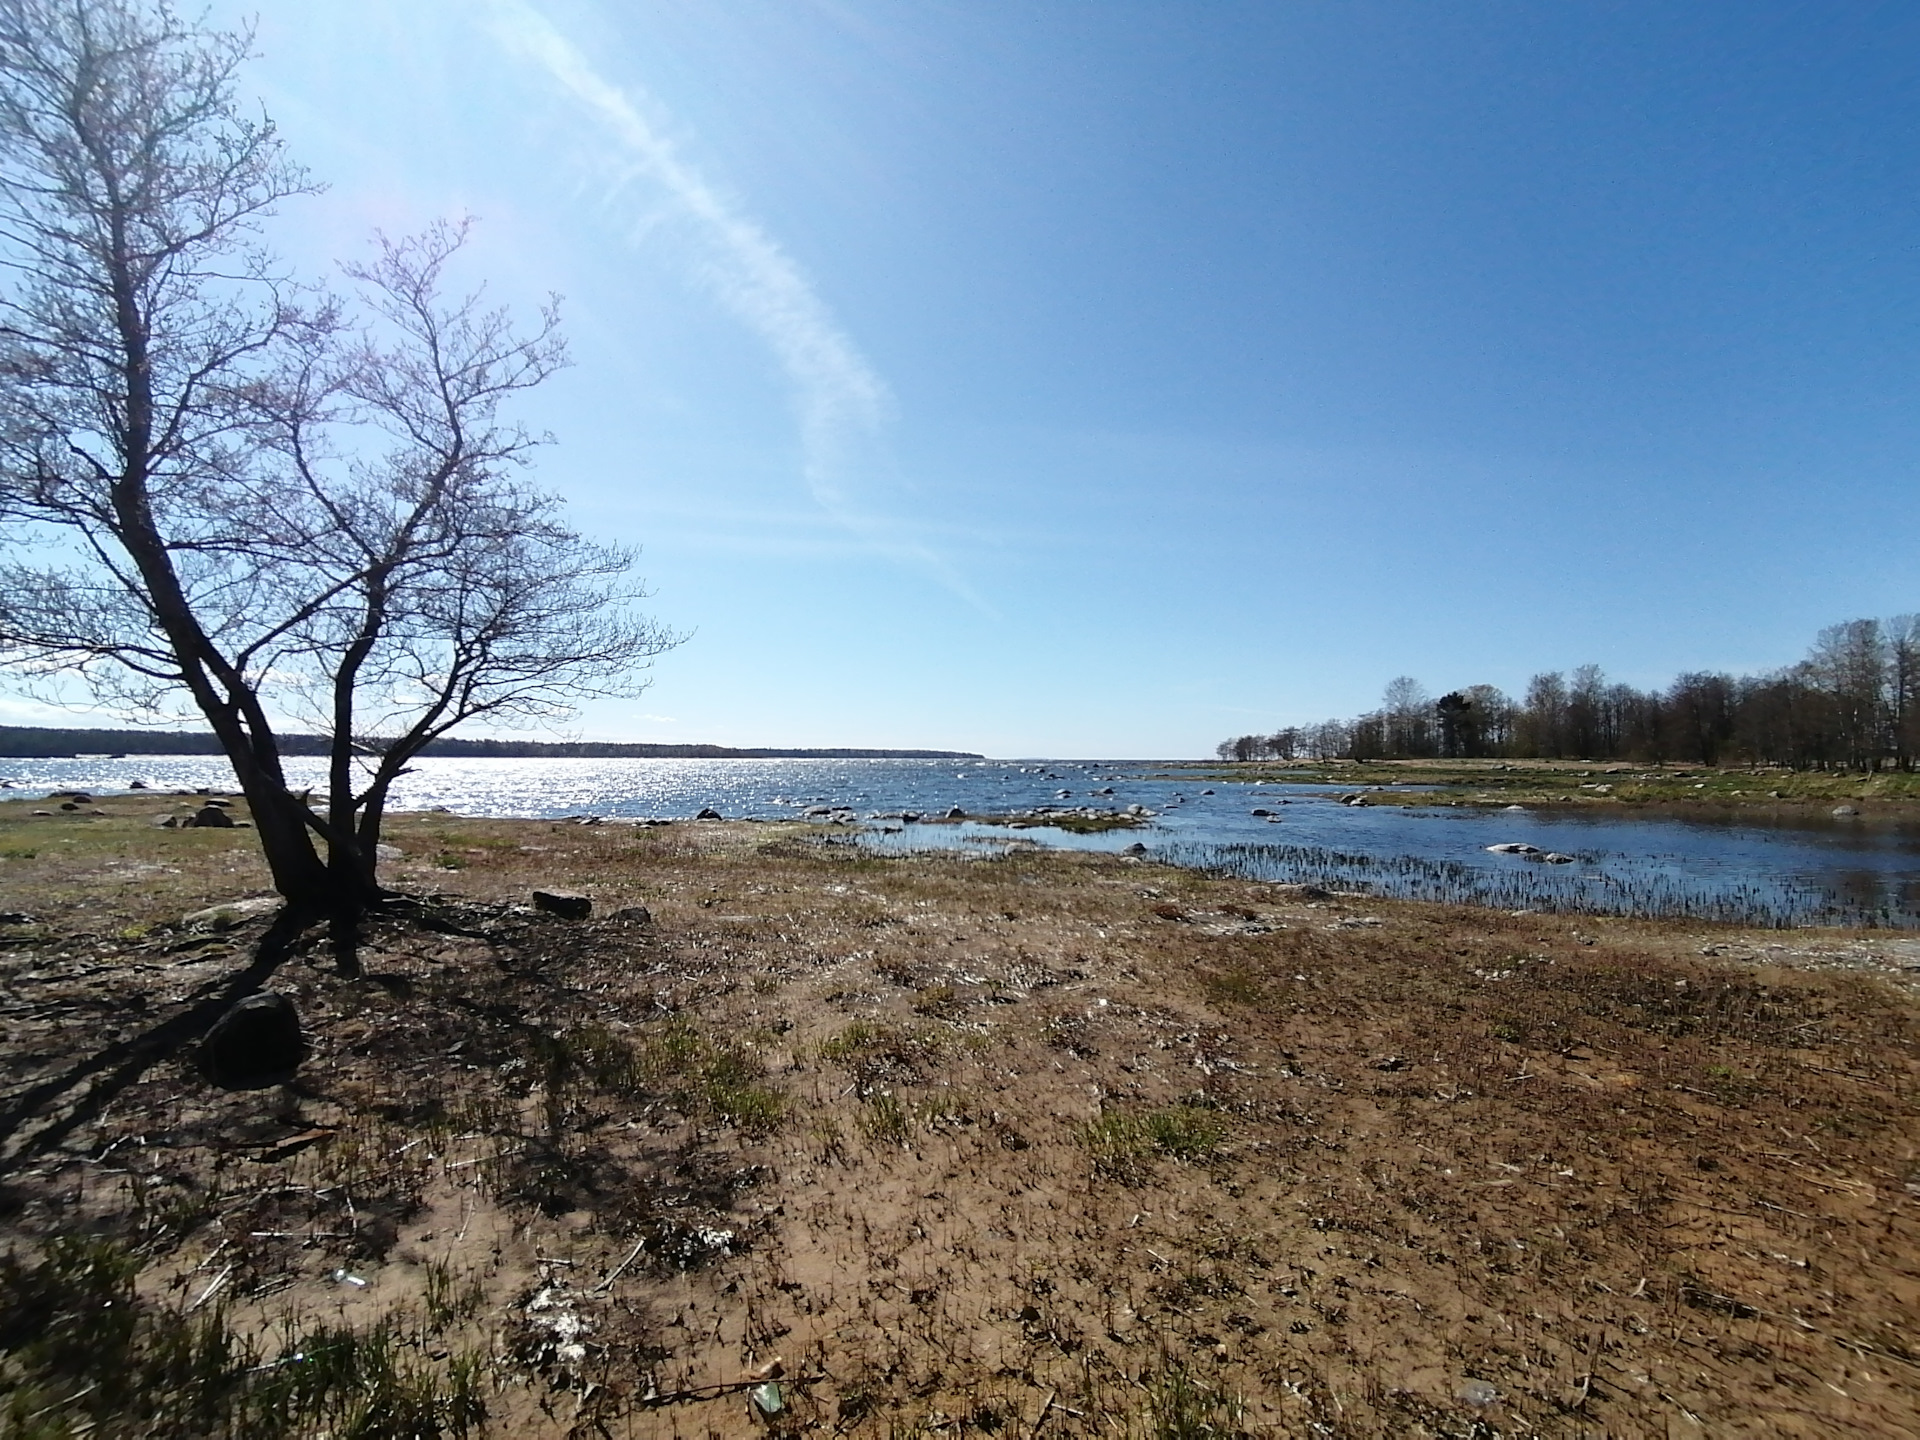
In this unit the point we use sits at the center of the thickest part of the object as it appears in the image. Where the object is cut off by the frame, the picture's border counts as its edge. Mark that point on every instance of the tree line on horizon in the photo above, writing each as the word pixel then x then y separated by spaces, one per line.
pixel 1853 703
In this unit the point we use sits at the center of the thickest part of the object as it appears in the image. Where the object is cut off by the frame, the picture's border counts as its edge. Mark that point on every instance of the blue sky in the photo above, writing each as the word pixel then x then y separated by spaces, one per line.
pixel 1059 378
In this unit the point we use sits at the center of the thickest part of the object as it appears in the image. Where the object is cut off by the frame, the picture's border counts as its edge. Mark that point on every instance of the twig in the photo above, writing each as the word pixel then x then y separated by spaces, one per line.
pixel 66 1400
pixel 1829 1070
pixel 1048 1408
pixel 218 1281
pixel 615 1273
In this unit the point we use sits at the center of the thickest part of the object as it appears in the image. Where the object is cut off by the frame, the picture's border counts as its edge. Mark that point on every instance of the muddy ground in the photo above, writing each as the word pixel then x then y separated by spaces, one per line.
pixel 1015 1144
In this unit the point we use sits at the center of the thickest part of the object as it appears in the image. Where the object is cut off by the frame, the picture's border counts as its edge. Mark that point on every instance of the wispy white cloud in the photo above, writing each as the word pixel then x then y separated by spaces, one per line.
pixel 841 403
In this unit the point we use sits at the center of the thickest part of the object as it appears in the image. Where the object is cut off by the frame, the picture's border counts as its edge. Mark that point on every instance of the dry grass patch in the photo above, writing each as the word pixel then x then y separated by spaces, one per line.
pixel 972 1146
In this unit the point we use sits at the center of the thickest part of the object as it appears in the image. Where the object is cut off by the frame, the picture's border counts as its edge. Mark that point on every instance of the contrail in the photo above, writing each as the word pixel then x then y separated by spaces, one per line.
pixel 842 403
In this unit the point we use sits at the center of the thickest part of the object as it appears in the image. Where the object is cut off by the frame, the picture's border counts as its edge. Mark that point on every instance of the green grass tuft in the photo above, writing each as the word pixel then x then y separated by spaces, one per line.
pixel 1120 1142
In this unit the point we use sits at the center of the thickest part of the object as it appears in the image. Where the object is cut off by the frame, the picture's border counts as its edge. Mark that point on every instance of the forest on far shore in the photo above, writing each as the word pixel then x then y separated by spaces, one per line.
pixel 1853 703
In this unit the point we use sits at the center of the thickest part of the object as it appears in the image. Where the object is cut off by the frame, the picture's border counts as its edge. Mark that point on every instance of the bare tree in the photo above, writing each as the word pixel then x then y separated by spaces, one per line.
pixel 1587 729
pixel 1849 663
pixel 225 489
pixel 1903 687
pixel 1543 718
pixel 1406 711
pixel 1490 721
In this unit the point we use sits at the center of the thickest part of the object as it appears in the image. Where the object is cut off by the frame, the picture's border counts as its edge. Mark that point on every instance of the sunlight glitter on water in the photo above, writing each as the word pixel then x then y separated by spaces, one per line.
pixel 1809 869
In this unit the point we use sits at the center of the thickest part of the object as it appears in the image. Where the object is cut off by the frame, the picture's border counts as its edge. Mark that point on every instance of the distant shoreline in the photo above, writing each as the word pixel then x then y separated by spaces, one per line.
pixel 32 742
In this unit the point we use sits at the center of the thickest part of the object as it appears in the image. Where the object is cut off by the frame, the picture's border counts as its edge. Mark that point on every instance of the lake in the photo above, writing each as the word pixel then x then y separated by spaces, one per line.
pixel 1812 869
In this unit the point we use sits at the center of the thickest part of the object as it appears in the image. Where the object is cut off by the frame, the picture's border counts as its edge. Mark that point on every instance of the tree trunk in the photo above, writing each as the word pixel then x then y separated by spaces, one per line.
pixel 298 872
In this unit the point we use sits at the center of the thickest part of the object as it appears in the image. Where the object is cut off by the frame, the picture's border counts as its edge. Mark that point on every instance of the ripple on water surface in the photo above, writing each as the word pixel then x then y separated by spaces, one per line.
pixel 1807 870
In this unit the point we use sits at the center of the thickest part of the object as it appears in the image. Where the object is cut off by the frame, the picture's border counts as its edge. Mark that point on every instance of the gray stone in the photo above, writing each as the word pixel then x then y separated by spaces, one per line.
pixel 1842 811
pixel 567 904
pixel 1554 857
pixel 211 817
pixel 956 813
pixel 254 1045
pixel 1134 849
pixel 709 813
pixel 225 917
pixel 633 915
pixel 389 852
pixel 165 822
pixel 1260 812
pixel 1514 847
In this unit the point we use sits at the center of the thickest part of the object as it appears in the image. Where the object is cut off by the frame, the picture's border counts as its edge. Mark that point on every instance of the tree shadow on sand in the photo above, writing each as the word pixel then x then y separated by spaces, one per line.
pixel 81 1093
